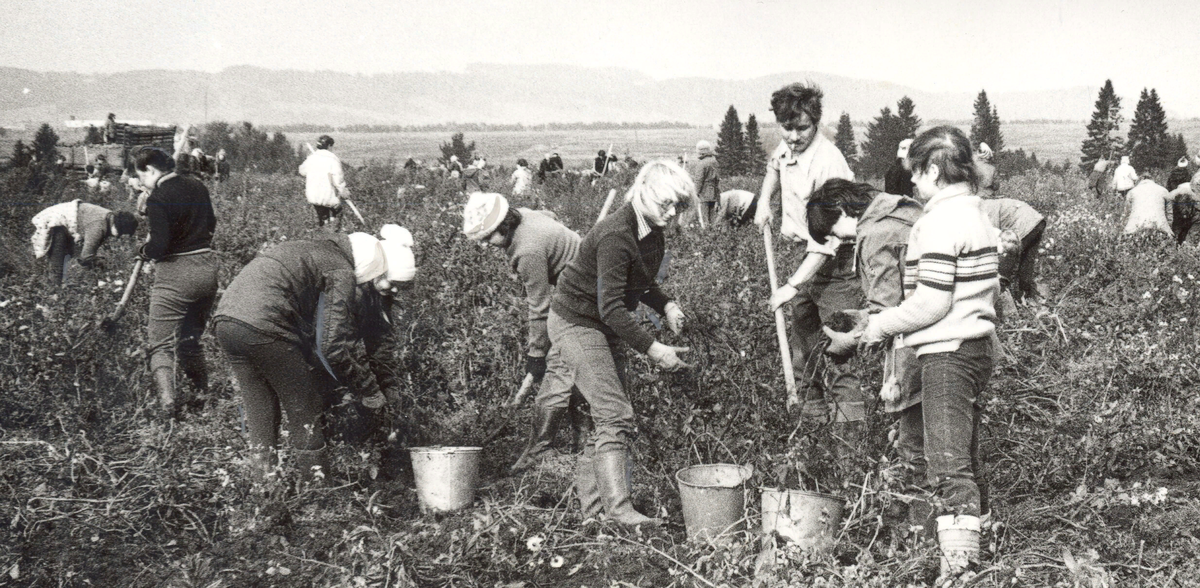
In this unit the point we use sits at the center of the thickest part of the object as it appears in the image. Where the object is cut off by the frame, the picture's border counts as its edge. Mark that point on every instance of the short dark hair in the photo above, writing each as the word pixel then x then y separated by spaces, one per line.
pixel 834 197
pixel 791 100
pixel 949 149
pixel 324 142
pixel 125 223
pixel 512 218
pixel 521 162
pixel 153 156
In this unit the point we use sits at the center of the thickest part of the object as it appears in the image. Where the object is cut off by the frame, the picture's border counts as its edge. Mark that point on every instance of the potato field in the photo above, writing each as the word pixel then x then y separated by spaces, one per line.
pixel 1091 437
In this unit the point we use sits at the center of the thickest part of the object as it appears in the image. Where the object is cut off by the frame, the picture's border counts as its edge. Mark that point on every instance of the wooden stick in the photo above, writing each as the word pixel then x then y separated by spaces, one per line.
pixel 523 391
pixel 120 309
pixel 785 353
pixel 612 194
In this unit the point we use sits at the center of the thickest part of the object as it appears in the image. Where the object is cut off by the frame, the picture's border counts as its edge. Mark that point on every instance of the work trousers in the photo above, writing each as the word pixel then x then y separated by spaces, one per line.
pixel 598 361
pixel 62 248
pixel 274 374
pixel 1018 273
pixel 185 287
pixel 328 213
pixel 559 383
pixel 953 384
pixel 835 288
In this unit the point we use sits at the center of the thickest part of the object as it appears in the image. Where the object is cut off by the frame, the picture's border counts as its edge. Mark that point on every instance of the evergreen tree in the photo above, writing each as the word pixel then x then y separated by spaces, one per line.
pixel 21 155
pixel 1102 140
pixel 908 122
pixel 985 128
pixel 457 146
pixel 45 143
pixel 882 139
pixel 1176 147
pixel 1149 143
pixel 94 137
pixel 731 145
pixel 756 157
pixel 844 140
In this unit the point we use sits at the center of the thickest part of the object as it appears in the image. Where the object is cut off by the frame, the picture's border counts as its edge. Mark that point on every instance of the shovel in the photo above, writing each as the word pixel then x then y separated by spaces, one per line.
pixel 111 320
pixel 785 354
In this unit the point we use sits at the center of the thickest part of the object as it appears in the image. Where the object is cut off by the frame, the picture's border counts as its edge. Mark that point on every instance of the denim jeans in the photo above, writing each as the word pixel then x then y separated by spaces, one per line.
pixel 184 290
pixel 598 361
pixel 953 385
pixel 835 288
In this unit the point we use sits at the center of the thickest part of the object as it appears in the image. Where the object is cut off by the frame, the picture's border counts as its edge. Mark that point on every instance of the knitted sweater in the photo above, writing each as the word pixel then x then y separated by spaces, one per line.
pixel 951 277
pixel 1147 203
pixel 540 250
pixel 180 215
pixel 87 224
pixel 613 271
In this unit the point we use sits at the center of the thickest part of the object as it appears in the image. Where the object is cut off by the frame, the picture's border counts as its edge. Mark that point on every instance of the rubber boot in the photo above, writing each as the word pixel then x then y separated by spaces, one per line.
pixel 545 426
pixel 958 537
pixel 194 368
pixel 585 483
pixel 613 480
pixel 581 423
pixel 312 467
pixel 164 385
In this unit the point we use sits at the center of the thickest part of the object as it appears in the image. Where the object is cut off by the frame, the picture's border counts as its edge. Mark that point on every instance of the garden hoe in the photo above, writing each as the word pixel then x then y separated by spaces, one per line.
pixel 111 320
pixel 785 353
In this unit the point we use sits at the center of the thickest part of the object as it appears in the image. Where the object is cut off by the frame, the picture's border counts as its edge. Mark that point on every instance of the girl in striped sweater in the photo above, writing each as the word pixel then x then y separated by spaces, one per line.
pixel 948 317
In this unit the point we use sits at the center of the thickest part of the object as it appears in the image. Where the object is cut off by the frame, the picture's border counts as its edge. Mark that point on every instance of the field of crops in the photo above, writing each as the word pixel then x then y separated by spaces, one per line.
pixel 1091 438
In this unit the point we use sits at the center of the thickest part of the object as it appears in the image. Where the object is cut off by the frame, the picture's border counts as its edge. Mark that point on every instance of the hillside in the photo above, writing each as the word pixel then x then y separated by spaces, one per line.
pixel 482 93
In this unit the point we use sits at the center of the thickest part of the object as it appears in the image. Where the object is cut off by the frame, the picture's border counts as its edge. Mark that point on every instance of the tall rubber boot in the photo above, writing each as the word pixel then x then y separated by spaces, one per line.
pixel 958 537
pixel 545 426
pixel 612 478
pixel 164 385
pixel 312 467
pixel 194 368
pixel 585 483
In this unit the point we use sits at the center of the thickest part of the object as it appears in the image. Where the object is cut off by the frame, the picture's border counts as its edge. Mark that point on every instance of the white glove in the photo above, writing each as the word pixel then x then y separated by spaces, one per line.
pixel 674 317
pixel 841 343
pixel 666 356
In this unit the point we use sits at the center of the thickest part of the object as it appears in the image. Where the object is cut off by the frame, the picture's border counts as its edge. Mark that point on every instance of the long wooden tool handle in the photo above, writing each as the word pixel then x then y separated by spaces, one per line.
pixel 785 353
pixel 523 391
pixel 133 278
pixel 356 212
pixel 612 194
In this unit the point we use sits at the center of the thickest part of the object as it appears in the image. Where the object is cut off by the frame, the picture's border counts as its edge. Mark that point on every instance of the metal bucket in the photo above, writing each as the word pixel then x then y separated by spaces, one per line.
pixel 714 499
pixel 808 519
pixel 446 476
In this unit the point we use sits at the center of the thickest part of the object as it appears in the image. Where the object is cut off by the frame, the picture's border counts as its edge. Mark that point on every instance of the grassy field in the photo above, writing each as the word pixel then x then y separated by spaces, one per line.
pixel 1091 436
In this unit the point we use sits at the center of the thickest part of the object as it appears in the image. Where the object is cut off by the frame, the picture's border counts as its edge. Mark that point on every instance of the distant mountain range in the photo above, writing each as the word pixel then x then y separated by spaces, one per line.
pixel 486 93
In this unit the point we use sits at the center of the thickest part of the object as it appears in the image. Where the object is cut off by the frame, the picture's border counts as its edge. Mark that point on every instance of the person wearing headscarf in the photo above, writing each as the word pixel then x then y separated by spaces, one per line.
pixel 1125 177
pixel 290 323
pixel 1179 175
pixel 324 182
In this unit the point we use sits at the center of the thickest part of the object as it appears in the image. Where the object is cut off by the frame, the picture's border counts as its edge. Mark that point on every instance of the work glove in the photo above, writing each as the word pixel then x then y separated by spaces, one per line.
pixel 666 356
pixel 536 366
pixel 674 317
pixel 841 344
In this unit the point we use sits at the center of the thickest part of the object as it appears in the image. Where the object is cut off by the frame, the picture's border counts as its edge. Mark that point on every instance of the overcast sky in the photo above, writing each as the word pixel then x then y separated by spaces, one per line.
pixel 937 45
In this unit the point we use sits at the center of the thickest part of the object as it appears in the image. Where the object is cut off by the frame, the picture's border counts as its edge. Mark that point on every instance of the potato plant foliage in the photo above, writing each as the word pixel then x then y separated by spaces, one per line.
pixel 1091 439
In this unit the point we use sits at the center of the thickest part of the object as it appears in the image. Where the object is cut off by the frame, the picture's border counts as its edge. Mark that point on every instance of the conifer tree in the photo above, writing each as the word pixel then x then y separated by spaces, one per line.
pixel 882 138
pixel 985 128
pixel 1149 143
pixel 908 122
pixel 1102 139
pixel 844 140
pixel 731 145
pixel 756 157
pixel 45 143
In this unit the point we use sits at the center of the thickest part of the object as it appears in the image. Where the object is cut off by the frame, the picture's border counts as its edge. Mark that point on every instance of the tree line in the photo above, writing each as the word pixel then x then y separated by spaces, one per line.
pixel 1149 144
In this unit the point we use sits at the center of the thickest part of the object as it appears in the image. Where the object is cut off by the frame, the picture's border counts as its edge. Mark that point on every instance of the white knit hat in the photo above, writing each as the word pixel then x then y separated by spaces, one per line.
pixel 369 259
pixel 483 214
pixel 397 246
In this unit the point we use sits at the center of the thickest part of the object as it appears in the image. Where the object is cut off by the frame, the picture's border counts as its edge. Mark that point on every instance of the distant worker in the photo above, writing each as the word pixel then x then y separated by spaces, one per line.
pixel 474 177
pixel 1125 177
pixel 183 141
pixel 737 206
pixel 222 165
pixel 521 178
pixel 1096 178
pixel 707 178
pixel 325 185
pixel 110 129
pixel 454 168
pixel 552 164
pixel 898 180
pixel 1183 210
pixel 75 228
pixel 1009 214
pixel 601 163
pixel 1147 203
pixel 988 180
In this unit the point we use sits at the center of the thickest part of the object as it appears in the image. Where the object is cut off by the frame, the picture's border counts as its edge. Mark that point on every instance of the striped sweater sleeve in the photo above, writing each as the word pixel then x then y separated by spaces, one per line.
pixel 929 287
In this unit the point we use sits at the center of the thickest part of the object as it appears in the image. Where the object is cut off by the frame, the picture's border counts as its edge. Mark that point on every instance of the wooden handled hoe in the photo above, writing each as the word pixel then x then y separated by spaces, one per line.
pixel 785 353
pixel 111 320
